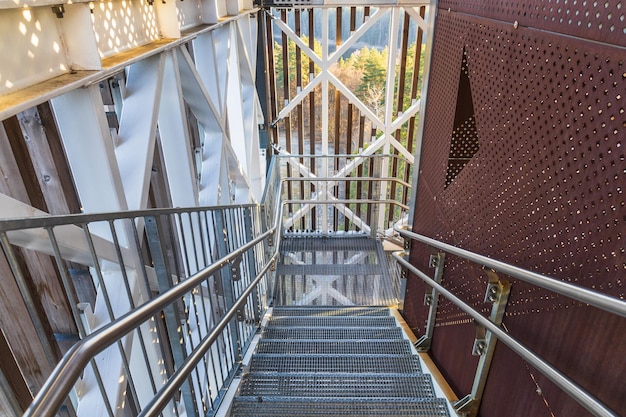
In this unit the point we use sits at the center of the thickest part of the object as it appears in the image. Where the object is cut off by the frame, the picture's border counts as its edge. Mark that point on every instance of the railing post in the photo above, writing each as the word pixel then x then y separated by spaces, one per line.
pixel 437 261
pixel 485 344
pixel 226 274
pixel 172 317
pixel 252 266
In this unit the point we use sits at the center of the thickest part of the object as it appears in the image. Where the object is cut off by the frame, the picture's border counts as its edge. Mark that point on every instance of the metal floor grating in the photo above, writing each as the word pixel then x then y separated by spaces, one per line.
pixel 334 347
pixel 335 363
pixel 330 271
pixel 288 407
pixel 328 244
pixel 332 321
pixel 338 385
pixel 330 311
pixel 332 333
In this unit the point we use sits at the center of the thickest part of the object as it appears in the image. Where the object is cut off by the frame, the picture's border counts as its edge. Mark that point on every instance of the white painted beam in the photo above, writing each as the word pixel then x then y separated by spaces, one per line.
pixel 89 149
pixel 175 139
pixel 137 131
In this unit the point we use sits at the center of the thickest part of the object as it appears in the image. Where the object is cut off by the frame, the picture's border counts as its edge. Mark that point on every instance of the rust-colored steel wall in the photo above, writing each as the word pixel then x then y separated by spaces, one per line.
pixel 544 190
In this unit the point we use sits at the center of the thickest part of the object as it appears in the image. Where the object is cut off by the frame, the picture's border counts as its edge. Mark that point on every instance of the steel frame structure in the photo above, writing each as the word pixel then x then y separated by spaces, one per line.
pixel 389 123
pixel 181 84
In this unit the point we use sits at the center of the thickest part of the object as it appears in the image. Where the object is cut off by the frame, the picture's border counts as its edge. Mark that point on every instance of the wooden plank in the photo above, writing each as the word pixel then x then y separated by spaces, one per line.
pixel 271 74
pixel 39 157
pixel 15 395
pixel 339 35
pixel 312 119
pixel 26 186
pixel 300 107
pixel 425 357
pixel 414 89
pixel 18 329
pixel 337 143
pixel 404 44
pixel 64 176
pixel 286 95
pixel 39 269
pixel 370 185
pixel 349 151
pixel 352 19
pixel 359 170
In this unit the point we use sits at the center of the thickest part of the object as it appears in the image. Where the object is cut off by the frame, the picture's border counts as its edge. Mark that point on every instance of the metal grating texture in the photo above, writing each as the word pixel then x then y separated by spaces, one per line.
pixel 260 407
pixel 330 311
pixel 544 190
pixel 332 244
pixel 335 363
pixel 293 333
pixel 333 271
pixel 335 347
pixel 332 321
pixel 338 385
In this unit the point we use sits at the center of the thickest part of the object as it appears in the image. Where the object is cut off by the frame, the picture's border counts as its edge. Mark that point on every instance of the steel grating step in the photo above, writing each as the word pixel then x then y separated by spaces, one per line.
pixel 337 385
pixel 331 269
pixel 332 321
pixel 346 347
pixel 330 311
pixel 402 364
pixel 332 333
pixel 321 244
pixel 346 407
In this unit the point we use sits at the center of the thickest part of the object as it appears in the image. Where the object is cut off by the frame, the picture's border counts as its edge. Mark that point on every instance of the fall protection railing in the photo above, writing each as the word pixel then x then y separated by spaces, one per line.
pixel 496 293
pixel 339 193
pixel 180 294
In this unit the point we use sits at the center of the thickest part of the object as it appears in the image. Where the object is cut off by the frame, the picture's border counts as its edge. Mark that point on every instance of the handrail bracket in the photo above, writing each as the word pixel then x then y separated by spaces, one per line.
pixel 497 293
pixel 431 300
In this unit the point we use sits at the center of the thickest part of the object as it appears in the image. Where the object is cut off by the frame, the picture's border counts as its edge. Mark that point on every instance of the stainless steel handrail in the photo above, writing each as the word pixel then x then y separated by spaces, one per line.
pixel 19 223
pixel 163 396
pixel 596 299
pixel 338 201
pixel 346 179
pixel 575 391
pixel 62 379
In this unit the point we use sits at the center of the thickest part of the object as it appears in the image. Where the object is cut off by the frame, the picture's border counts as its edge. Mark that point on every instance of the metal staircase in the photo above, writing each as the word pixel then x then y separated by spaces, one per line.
pixel 349 361
pixel 331 345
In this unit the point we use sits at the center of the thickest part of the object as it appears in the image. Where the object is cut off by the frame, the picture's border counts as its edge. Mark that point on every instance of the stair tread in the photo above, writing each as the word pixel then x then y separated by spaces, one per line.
pixel 280 406
pixel 278 332
pixel 329 311
pixel 332 321
pixel 372 347
pixel 337 385
pixel 336 363
pixel 331 269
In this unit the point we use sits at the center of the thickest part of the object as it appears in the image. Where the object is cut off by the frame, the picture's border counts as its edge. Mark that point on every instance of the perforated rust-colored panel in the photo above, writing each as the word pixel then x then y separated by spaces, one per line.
pixel 544 191
pixel 600 20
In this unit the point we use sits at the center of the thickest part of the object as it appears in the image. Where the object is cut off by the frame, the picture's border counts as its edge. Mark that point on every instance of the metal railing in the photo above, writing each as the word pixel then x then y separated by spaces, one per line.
pixel 180 292
pixel 593 298
pixel 339 193
pixel 179 296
